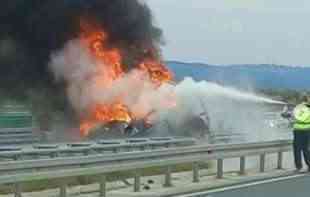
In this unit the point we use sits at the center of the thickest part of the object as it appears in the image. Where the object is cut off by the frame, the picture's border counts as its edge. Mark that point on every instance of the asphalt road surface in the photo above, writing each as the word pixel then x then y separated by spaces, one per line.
pixel 293 186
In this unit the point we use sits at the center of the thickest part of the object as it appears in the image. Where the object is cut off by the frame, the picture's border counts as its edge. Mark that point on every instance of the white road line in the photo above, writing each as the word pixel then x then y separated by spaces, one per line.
pixel 245 185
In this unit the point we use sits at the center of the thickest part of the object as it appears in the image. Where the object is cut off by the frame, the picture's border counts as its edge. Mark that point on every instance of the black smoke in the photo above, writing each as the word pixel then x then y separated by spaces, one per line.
pixel 31 30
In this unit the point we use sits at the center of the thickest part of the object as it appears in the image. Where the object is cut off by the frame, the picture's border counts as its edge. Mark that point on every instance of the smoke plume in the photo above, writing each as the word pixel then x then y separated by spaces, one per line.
pixel 33 30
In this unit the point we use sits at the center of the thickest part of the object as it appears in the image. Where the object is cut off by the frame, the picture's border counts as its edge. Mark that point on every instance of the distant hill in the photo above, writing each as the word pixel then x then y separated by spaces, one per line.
pixel 246 76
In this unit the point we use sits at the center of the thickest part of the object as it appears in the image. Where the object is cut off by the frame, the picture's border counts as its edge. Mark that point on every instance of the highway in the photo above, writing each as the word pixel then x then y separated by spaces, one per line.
pixel 19 172
pixel 290 186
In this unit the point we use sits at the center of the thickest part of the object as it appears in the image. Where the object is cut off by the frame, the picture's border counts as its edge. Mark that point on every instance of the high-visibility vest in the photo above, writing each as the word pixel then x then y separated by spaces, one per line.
pixel 302 117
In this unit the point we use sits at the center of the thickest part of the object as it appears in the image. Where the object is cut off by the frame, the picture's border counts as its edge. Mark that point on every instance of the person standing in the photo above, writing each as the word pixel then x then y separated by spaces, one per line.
pixel 301 125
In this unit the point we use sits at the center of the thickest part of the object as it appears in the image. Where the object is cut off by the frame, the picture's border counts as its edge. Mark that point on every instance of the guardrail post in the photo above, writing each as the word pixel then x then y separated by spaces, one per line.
pixel 242 165
pixel 280 160
pixel 220 166
pixel 63 189
pixel 54 154
pixel 262 162
pixel 129 149
pixel 143 147
pixel 17 157
pixel 17 190
pixel 102 186
pixel 115 150
pixel 168 182
pixel 195 172
pixel 35 156
pixel 137 181
pixel 86 152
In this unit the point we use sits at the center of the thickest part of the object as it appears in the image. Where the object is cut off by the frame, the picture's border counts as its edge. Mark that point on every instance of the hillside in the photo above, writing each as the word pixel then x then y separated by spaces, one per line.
pixel 246 76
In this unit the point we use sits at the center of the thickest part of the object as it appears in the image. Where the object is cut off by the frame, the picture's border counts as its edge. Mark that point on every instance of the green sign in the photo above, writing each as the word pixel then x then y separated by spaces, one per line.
pixel 15 119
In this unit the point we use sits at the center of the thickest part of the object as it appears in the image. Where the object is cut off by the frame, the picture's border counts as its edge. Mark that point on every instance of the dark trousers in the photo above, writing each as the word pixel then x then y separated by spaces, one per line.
pixel 301 142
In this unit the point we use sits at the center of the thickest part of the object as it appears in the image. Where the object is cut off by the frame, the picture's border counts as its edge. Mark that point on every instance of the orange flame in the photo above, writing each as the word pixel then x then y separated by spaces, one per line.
pixel 108 69
pixel 158 73
pixel 105 114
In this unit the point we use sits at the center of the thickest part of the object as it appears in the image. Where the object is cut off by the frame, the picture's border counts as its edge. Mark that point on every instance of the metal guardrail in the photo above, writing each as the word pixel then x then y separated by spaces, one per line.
pixel 14 136
pixel 19 172
pixel 15 130
pixel 89 148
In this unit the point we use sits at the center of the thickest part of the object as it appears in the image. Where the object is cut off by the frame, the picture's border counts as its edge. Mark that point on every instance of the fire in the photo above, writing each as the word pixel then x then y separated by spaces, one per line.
pixel 158 73
pixel 109 68
pixel 105 114
pixel 95 39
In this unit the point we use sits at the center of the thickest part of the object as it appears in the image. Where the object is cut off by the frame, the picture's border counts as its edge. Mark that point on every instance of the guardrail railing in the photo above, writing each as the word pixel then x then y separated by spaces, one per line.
pixel 38 151
pixel 19 172
pixel 18 136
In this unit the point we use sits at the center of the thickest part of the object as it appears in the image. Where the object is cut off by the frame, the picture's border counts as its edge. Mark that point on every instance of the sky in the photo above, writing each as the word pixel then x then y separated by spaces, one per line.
pixel 235 31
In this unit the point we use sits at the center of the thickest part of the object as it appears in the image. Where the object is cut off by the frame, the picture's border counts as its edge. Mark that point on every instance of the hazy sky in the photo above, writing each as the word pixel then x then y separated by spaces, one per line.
pixel 235 31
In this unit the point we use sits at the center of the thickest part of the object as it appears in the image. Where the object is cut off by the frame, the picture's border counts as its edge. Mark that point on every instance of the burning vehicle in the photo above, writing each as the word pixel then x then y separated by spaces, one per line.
pixel 109 71
pixel 197 126
pixel 97 61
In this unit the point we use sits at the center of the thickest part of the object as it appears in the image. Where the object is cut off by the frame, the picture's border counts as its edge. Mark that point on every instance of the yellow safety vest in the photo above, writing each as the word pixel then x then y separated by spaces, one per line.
pixel 302 117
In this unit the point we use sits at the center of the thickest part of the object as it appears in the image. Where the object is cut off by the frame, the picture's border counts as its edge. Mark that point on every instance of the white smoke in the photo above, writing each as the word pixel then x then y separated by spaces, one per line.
pixel 82 73
pixel 231 111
